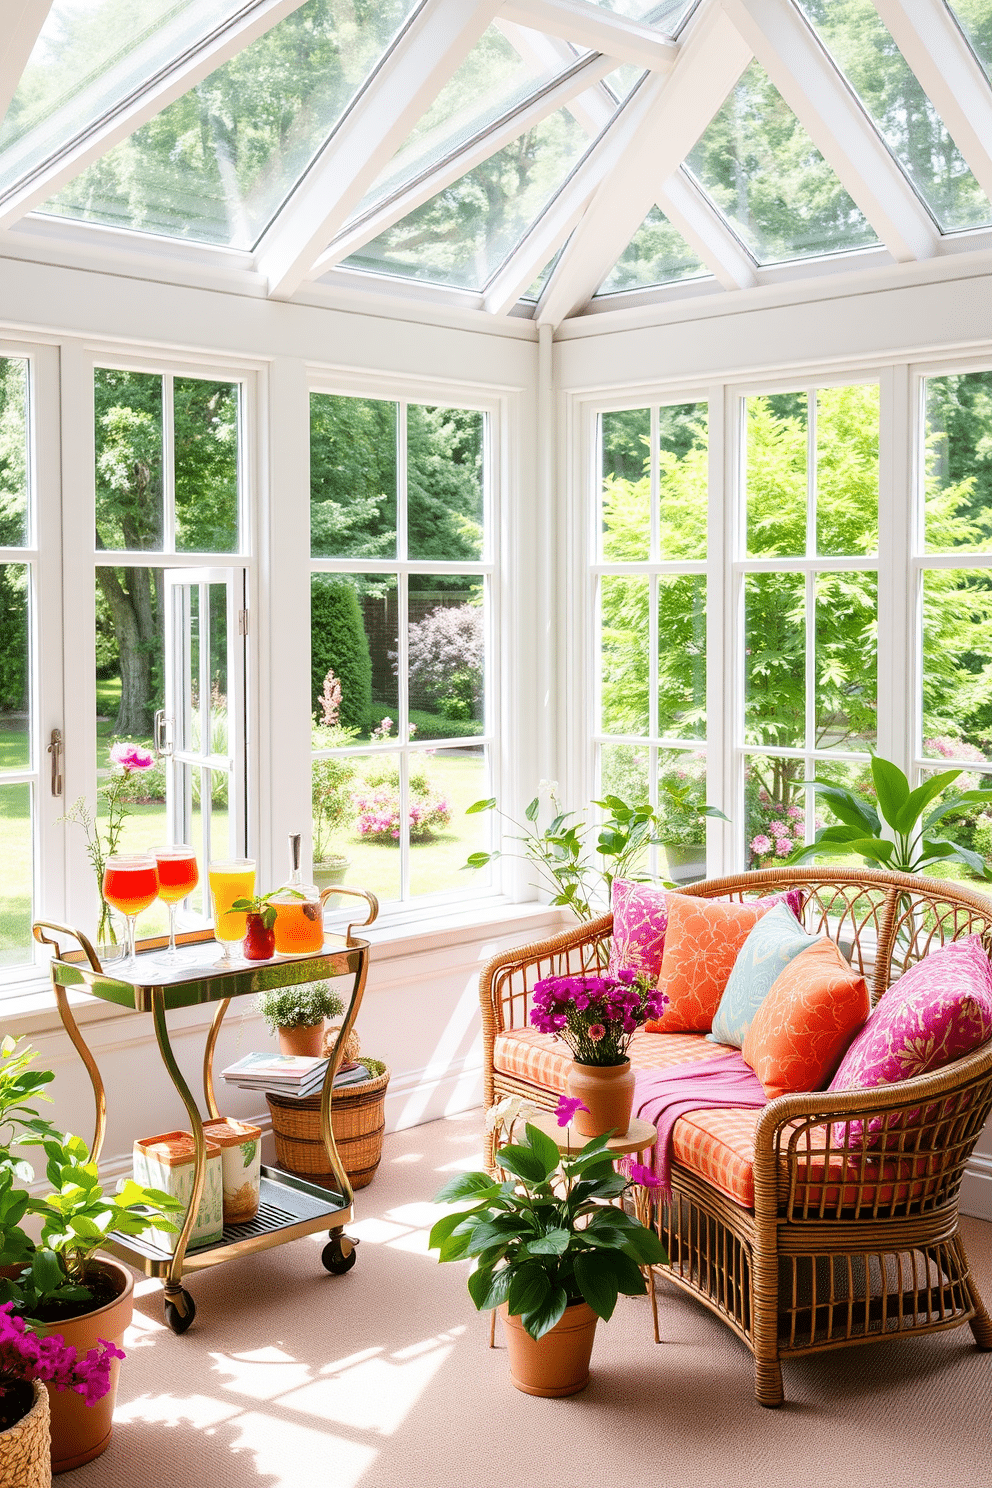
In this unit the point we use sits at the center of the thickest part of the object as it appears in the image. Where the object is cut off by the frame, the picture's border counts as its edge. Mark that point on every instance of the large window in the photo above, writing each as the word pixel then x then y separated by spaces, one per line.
pixel 401 619
pixel 20 776
pixel 650 577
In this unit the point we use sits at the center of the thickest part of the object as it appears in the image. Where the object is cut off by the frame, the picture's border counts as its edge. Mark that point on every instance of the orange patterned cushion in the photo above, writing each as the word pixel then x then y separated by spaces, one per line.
pixel 800 1032
pixel 701 946
pixel 543 1060
pixel 719 1146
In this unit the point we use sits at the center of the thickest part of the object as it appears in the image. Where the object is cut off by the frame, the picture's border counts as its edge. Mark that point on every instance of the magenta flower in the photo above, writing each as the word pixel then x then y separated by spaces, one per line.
pixel 640 1173
pixel 25 1356
pixel 596 1031
pixel 566 1109
pixel 131 756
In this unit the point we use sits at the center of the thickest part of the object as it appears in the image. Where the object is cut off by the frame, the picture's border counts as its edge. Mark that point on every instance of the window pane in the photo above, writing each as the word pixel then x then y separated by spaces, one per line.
pixel 656 254
pixel 446 657
pixel 957 663
pixel 958 489
pixel 969 826
pixel 975 17
pixel 777 433
pixel 683 486
pixel 206 456
pixel 847 470
pixel 846 655
pixel 354 636
pixel 626 485
pixel 16 911
pixel 764 172
pixel 625 772
pixel 444 483
pixel 681 798
pixel 364 821
pixel 13 452
pixel 682 656
pixel 128 460
pixel 15 692
pixel 352 477
pixel 775 660
pixel 774 809
pixel 625 655
pixel 443 783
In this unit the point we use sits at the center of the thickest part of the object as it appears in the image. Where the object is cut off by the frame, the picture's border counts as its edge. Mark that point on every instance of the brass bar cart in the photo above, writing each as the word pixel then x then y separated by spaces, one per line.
pixel 289 1206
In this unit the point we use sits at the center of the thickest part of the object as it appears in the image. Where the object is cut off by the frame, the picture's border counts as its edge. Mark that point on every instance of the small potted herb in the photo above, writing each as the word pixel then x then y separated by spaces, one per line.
pixel 260 926
pixel 297 1015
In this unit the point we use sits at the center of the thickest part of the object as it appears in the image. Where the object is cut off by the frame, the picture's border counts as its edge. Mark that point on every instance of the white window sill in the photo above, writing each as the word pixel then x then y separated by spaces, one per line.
pixel 27 1007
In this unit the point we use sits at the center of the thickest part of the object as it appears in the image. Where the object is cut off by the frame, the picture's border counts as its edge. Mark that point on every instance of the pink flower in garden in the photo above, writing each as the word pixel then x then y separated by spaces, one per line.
pixel 596 1031
pixel 131 756
pixel 800 830
pixel 566 1109
pixel 761 844
pixel 778 829
pixel 783 846
pixel 796 813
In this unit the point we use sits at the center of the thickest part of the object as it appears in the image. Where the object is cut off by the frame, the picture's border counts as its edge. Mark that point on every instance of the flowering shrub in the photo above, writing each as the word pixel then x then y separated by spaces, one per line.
pixel 596 1016
pixel 25 1356
pixel 780 829
pixel 445 659
pixel 378 808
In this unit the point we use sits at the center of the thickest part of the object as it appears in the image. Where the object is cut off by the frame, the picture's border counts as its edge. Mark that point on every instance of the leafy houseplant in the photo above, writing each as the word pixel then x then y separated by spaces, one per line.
pixel 549 1238
pixel 297 1015
pixel 914 845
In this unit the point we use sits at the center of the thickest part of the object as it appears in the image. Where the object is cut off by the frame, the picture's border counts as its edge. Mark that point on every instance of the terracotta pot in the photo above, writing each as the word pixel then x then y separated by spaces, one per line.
pixel 608 1091
pixel 25 1447
pixel 558 1363
pixel 306 1040
pixel 81 1432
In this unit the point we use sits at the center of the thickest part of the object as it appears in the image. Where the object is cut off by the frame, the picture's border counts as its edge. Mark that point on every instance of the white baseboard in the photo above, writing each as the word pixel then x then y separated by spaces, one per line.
pixel 976 1187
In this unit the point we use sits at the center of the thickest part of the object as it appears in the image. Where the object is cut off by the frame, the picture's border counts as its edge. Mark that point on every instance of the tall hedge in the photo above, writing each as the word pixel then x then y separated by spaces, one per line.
pixel 338 641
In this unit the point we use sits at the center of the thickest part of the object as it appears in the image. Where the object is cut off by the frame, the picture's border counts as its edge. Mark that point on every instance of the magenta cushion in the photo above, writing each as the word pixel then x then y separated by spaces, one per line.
pixel 939 1011
pixel 640 920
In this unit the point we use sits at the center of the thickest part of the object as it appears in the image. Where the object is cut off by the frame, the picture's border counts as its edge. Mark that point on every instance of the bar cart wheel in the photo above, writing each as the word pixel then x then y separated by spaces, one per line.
pixel 180 1310
pixel 339 1254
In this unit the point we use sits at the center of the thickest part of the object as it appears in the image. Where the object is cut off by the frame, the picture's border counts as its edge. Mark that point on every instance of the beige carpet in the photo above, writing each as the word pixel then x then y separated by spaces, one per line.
pixel 382 1379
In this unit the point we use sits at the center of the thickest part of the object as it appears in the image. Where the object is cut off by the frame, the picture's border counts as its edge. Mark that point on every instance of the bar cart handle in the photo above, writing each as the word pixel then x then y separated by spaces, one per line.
pixel 365 894
pixel 40 926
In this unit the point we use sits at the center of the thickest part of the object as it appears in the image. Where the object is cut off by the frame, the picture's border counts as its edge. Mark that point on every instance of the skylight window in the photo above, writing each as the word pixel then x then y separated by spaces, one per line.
pixel 907 120
pixel 763 171
pixel 975 20
pixel 656 254
pixel 462 235
pixel 217 164
pixel 667 15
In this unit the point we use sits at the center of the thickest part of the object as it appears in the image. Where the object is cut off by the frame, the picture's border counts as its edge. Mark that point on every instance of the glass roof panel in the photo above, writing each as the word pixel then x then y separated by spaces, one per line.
pixel 534 292
pixel 907 120
pixel 975 20
pixel 216 165
pixel 763 171
pixel 462 235
pixel 656 254
pixel 667 15
pixel 90 56
pixel 492 81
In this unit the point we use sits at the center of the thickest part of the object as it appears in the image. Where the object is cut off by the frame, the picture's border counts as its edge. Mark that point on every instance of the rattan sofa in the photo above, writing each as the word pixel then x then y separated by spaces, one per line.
pixel 843 1244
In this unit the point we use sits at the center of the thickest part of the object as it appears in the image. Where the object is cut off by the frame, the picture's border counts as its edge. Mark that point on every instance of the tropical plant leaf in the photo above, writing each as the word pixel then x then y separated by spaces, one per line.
pixel 852 809
pixel 919 799
pixel 466 1186
pixel 542 1319
pixel 525 1163
pixel 597 1281
pixel 486 805
pixel 891 786
pixel 545 1149
pixel 488 1287
pixel 555 1242
pixel 529 1288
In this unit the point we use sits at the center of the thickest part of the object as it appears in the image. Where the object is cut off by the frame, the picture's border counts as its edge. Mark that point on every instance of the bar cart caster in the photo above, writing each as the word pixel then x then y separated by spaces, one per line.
pixel 180 1309
pixel 339 1255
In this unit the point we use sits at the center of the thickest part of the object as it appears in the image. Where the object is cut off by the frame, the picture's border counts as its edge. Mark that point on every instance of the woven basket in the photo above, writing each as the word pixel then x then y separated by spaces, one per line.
pixel 26 1447
pixel 358 1119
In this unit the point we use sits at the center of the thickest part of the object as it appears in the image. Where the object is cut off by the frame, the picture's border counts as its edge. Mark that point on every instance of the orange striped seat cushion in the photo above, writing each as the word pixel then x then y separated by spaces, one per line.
pixel 543 1060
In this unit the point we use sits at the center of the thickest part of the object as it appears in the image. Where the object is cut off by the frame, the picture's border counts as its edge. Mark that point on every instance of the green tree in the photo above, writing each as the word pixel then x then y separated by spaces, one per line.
pixel 13 511
pixel 338 643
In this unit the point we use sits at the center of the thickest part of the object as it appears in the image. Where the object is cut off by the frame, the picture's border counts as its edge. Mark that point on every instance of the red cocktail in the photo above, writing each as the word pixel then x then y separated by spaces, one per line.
pixel 178 876
pixel 130 884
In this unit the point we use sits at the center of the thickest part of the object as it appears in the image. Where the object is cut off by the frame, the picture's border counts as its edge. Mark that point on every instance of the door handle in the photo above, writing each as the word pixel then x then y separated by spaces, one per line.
pixel 56 749
pixel 162 746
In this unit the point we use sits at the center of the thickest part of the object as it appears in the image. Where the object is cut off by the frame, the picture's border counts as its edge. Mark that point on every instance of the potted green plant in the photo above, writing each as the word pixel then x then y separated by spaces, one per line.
pixel 60 1285
pixel 553 1250
pixel 297 1015
pixel 682 813
pixel 331 782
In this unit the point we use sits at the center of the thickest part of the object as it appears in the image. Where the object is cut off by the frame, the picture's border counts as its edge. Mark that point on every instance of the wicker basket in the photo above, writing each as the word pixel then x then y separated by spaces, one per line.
pixel 358 1119
pixel 25 1447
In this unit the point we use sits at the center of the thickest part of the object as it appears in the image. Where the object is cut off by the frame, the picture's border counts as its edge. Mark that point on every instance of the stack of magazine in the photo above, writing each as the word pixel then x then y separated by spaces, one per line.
pixel 292 1075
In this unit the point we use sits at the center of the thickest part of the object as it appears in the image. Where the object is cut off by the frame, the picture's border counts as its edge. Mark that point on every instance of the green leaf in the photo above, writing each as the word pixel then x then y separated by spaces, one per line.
pixel 555 1242
pixel 628 1274
pixel 920 799
pixel 46 1271
pixel 476 806
pixel 891 786
pixel 533 810
pixel 544 1147
pixel 542 1319
pixel 524 1163
pixel 466 1186
pixel 488 1288
pixel 643 1246
pixel 596 1280
pixel 479 859
pixel 850 808
pixel 443 1228
pixel 529 1288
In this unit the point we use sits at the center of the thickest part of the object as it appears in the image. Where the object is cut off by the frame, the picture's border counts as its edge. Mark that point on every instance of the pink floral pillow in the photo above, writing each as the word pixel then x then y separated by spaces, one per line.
pixel 938 1012
pixel 640 921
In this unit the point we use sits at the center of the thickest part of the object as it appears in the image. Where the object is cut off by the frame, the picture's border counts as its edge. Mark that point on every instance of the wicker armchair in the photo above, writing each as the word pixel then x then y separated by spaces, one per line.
pixel 845 1244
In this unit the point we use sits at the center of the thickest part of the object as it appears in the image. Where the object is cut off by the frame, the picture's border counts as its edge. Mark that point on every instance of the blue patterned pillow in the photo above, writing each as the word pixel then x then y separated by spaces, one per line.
pixel 774 941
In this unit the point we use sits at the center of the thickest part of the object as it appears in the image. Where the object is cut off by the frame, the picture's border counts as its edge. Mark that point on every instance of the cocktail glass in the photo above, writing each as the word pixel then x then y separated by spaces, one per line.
pixel 178 876
pixel 230 879
pixel 130 884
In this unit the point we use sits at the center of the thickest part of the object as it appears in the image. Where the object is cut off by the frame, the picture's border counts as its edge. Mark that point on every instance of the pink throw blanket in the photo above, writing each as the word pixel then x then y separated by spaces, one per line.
pixel 662 1096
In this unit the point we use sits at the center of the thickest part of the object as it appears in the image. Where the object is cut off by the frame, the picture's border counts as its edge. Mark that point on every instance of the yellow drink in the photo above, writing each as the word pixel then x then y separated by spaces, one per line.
pixel 230 881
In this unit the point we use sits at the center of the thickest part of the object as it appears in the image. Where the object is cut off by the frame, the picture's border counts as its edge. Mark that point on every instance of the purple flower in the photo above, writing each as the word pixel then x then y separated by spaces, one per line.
pixel 641 1174
pixel 566 1109
pixel 131 756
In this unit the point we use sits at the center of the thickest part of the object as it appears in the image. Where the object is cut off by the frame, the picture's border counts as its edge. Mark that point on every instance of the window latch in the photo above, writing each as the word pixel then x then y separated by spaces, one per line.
pixel 56 749
pixel 162 747
pixel 242 622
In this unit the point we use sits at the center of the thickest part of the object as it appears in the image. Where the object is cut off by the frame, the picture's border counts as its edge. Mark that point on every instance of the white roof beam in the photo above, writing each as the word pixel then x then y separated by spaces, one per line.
pixel 169 83
pixel 801 69
pixel 949 73
pixel 20 25
pixel 480 147
pixel 430 48
pixel 711 59
pixel 590 25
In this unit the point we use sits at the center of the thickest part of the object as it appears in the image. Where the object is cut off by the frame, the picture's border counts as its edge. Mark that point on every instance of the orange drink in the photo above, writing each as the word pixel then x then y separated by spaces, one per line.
pixel 178 876
pixel 130 884
pixel 299 927
pixel 230 879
